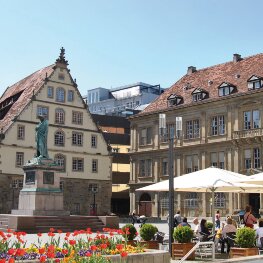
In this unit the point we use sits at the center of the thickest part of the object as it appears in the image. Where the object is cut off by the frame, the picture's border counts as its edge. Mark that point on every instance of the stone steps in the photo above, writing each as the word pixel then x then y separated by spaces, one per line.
pixel 43 224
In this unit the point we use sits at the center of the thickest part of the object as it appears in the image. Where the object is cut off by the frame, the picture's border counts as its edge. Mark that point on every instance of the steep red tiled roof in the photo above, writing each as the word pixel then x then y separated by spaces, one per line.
pixel 28 86
pixel 216 75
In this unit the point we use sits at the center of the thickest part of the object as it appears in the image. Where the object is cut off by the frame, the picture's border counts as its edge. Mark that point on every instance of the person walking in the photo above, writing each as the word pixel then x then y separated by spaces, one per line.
pixel 249 218
pixel 217 219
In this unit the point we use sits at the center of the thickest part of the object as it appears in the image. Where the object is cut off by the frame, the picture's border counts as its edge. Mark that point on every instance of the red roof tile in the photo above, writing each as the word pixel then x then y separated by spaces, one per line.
pixel 209 79
pixel 28 86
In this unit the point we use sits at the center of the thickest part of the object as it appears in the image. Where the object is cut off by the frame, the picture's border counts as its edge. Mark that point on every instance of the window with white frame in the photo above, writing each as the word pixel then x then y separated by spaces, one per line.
pixel 50 92
pixel 17 183
pixel 70 95
pixel 192 129
pixel 254 82
pixel 218 125
pixel 145 168
pixel 94 166
pixel 191 200
pixel 60 160
pixel 59 116
pixel 225 89
pixel 42 111
pixel 252 158
pixel 78 164
pixel 199 94
pixel 19 158
pixel 20 132
pixel 77 117
pixel 165 167
pixel 251 119
pixel 60 95
pixel 93 141
pixel 170 132
pixel 146 136
pixel 217 159
pixel 220 200
pixel 77 138
pixel 59 138
pixel 191 163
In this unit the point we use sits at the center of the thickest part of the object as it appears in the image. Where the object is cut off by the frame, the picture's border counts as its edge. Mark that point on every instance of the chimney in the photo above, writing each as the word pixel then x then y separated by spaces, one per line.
pixel 236 58
pixel 191 70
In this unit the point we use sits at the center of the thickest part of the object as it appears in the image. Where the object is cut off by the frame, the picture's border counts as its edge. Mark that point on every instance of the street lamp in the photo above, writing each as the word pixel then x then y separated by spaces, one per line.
pixel 94 190
pixel 170 136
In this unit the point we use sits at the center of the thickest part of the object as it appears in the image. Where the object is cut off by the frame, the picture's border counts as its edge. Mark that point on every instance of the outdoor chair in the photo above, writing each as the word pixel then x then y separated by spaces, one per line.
pixel 139 220
pixel 230 240
pixel 260 251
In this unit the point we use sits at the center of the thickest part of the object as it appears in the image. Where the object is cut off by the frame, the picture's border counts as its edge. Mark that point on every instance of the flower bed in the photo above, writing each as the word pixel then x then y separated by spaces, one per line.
pixel 79 246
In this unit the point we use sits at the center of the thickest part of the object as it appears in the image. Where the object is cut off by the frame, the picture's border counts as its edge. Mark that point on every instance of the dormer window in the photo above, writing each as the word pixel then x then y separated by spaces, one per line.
pixel 174 99
pixel 199 94
pixel 254 82
pixel 225 89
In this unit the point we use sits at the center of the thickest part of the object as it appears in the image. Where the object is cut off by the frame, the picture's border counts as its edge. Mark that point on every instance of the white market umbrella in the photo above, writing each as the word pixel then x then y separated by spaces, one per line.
pixel 207 180
pixel 253 179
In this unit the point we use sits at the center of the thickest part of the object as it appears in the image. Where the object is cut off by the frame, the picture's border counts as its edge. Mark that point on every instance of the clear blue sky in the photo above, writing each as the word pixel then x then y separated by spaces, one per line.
pixel 110 43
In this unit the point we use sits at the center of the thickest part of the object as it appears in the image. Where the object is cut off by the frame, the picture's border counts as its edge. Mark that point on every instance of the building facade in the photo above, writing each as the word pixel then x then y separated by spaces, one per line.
pixel 221 108
pixel 123 100
pixel 116 132
pixel 74 140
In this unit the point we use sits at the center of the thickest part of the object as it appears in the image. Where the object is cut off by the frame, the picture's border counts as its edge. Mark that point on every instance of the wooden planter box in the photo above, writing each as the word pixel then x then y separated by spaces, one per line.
pixel 236 252
pixel 179 250
pixel 152 244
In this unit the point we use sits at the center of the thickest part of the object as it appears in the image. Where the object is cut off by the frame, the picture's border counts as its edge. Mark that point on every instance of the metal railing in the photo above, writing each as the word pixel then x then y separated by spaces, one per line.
pixel 198 244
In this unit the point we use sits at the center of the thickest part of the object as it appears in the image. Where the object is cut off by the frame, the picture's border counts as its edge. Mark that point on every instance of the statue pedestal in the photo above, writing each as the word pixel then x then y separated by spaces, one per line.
pixel 41 194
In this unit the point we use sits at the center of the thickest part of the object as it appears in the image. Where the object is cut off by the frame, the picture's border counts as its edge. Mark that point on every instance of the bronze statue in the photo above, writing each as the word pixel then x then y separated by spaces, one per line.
pixel 41 137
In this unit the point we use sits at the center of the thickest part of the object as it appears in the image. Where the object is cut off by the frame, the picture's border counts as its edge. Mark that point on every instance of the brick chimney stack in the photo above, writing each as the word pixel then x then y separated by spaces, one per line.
pixel 191 70
pixel 236 58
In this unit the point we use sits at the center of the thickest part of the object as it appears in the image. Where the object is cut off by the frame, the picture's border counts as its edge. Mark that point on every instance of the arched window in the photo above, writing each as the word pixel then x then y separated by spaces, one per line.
pixel 220 200
pixel 59 116
pixel 60 95
pixel 59 139
pixel 60 160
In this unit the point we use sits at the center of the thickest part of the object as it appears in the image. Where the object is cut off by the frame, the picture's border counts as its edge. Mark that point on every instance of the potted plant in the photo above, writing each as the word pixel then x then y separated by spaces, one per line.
pixel 209 225
pixel 129 233
pixel 183 235
pixel 147 233
pixel 246 242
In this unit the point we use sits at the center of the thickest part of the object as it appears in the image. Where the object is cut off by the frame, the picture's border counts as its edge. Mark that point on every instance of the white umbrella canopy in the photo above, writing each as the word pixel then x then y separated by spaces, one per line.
pixel 207 180
pixel 212 180
pixel 253 179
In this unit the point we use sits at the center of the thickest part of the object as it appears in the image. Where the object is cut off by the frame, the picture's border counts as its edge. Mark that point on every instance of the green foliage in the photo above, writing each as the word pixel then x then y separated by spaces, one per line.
pixel 246 237
pixel 131 233
pixel 183 234
pixel 148 231
pixel 209 225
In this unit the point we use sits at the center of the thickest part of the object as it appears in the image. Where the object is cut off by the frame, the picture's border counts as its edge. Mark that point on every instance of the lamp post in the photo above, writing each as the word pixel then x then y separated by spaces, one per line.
pixel 171 136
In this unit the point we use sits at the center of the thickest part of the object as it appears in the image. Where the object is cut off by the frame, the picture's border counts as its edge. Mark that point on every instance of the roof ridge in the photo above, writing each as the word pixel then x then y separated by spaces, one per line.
pixel 224 63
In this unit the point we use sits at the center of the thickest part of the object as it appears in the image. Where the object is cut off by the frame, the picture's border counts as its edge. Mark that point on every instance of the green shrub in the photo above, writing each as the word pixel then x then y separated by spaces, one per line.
pixel 246 237
pixel 183 234
pixel 209 225
pixel 148 231
pixel 131 233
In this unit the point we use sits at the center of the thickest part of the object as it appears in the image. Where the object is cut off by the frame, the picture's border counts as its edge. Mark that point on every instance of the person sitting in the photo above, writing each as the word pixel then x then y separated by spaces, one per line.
pixel 249 219
pixel 228 229
pixel 196 226
pixel 184 222
pixel 134 217
pixel 259 233
pixel 177 219
pixel 234 222
pixel 204 233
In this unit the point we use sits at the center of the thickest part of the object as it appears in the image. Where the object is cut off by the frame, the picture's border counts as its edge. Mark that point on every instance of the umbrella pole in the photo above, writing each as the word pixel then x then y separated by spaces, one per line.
pixel 213 209
pixel 171 189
